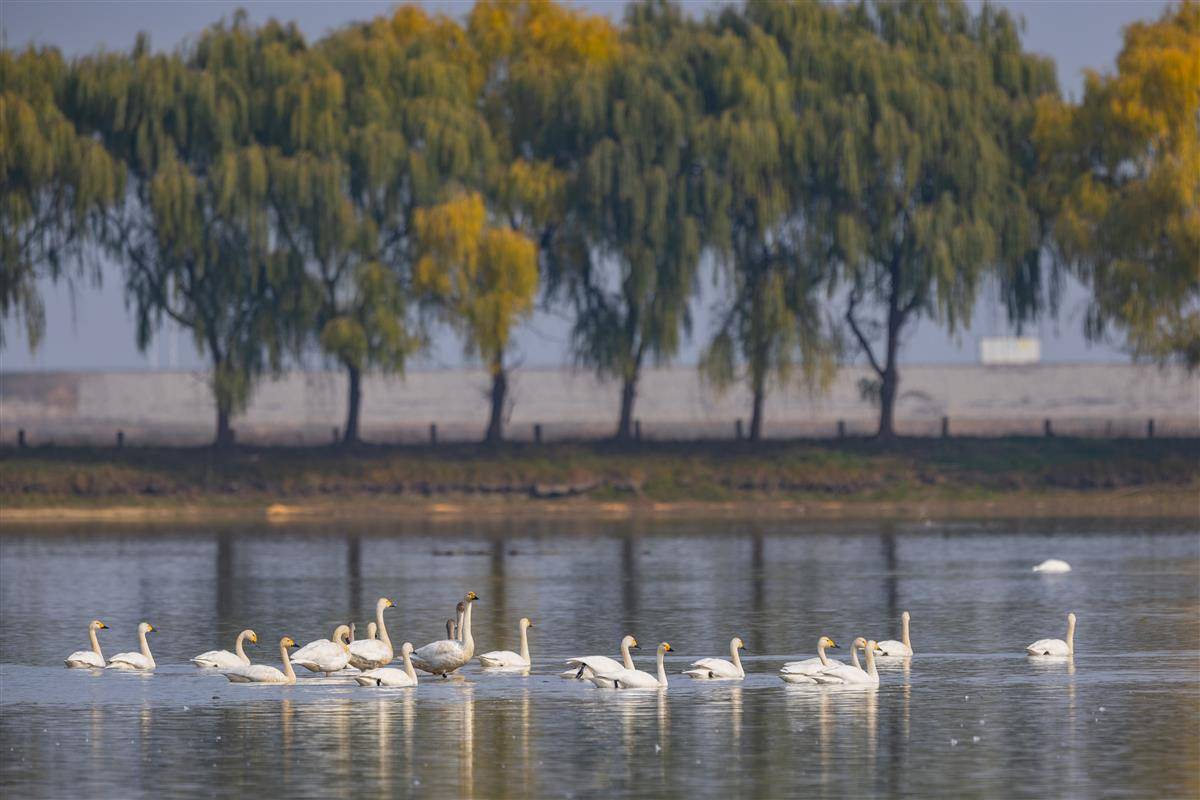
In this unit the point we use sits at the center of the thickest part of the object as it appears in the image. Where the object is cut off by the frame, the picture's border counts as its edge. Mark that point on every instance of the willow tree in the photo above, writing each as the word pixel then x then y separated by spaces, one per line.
pixel 483 278
pixel 57 184
pixel 1122 174
pixel 912 165
pixel 193 233
pixel 769 317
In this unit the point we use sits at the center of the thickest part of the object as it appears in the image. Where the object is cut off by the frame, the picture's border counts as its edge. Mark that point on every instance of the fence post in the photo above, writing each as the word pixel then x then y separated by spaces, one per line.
pixel 841 429
pixel 1047 428
pixel 21 438
pixel 1150 428
pixel 537 433
pixel 433 433
pixel 739 429
pixel 637 429
pixel 945 427
pixel 120 439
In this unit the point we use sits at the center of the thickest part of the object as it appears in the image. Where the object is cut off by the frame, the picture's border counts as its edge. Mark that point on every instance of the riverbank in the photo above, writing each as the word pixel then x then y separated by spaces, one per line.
pixel 911 478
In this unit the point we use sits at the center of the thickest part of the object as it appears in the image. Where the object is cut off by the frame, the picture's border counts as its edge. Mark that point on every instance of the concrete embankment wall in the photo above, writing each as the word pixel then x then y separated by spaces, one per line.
pixel 305 407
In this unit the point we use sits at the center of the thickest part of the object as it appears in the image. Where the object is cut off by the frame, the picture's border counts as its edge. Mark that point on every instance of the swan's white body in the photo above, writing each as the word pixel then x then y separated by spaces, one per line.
pixel 390 676
pixel 890 647
pixel 839 674
pixel 584 667
pixel 445 656
pixel 803 671
pixel 719 668
pixel 1055 647
pixel 262 673
pixel 635 678
pixel 223 659
pixel 374 653
pixel 1053 565
pixel 501 659
pixel 88 659
pixel 324 655
pixel 142 660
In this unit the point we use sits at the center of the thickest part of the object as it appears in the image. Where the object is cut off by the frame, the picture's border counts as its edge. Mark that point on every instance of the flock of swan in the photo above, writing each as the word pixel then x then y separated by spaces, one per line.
pixel 367 660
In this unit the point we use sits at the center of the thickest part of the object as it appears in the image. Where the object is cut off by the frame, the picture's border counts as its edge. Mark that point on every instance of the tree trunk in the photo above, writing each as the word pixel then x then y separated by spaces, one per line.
pixel 890 376
pixel 353 403
pixel 224 431
pixel 628 397
pixel 756 418
pixel 889 383
pixel 495 429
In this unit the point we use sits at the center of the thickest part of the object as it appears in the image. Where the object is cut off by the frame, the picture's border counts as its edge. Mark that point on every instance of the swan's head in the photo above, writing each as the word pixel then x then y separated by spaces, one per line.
pixel 904 617
pixel 471 597
pixel 406 649
pixel 97 625
pixel 665 647
pixel 737 643
pixel 384 603
pixel 827 643
pixel 860 642
pixel 341 635
pixel 870 646
pixel 461 607
pixel 526 622
pixel 251 636
pixel 146 627
pixel 287 641
pixel 1071 618
pixel 629 641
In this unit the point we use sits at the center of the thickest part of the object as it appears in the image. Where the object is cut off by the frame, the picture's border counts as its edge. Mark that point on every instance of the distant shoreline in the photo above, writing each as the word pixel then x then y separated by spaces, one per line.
pixel 853 479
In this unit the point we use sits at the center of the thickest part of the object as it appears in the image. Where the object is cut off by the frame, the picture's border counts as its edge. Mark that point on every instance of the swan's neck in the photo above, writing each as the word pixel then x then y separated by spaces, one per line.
pixel 237 648
pixel 525 644
pixel 408 667
pixel 381 628
pixel 870 651
pixel 450 632
pixel 458 626
pixel 904 633
pixel 662 670
pixel 145 645
pixel 287 663
pixel 854 656
pixel 1071 637
pixel 821 654
pixel 625 657
pixel 468 640
pixel 737 659
pixel 95 641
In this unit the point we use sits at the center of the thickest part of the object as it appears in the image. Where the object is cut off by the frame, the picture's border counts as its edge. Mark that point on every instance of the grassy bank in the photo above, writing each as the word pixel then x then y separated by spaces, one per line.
pixel 919 477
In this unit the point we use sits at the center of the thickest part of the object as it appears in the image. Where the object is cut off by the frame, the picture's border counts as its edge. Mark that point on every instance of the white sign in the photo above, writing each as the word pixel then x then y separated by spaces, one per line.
pixel 1009 350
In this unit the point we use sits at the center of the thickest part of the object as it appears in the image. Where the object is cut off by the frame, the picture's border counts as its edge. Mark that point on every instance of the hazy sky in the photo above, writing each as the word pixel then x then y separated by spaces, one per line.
pixel 89 328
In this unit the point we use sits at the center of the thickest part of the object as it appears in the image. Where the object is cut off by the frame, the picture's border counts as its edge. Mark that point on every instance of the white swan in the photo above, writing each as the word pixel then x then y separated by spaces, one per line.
pixel 890 647
pixel 584 667
pixel 373 653
pixel 635 678
pixel 136 661
pixel 840 674
pixel 507 658
pixel 324 655
pixel 1053 565
pixel 221 659
pixel 262 673
pixel 1055 647
pixel 88 659
pixel 390 676
pixel 372 630
pixel 802 671
pixel 445 656
pixel 719 668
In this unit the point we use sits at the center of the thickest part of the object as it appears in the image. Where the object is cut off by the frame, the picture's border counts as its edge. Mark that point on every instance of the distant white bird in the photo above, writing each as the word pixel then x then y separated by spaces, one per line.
pixel 890 647
pixel 584 667
pixel 221 659
pixel 325 655
pixel 263 673
pixel 136 661
pixel 446 655
pixel 635 678
pixel 507 658
pixel 1055 647
pixel 839 674
pixel 802 671
pixel 390 676
pixel 88 659
pixel 1053 565
pixel 374 653
pixel 719 668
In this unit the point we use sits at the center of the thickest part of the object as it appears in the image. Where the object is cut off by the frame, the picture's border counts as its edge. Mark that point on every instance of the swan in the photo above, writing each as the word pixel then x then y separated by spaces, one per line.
pixel 262 673
pixel 507 658
pixel 136 661
pixel 584 667
pixel 460 610
pixel 324 655
pixel 1055 647
pixel 445 656
pixel 372 630
pixel 390 676
pixel 840 674
pixel 373 653
pixel 451 629
pixel 1053 565
pixel 88 659
pixel 718 668
pixel 802 671
pixel 221 659
pixel 890 647
pixel 635 678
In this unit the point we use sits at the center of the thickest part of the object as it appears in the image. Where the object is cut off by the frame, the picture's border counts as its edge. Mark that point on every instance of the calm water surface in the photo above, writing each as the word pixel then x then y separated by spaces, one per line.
pixel 968 716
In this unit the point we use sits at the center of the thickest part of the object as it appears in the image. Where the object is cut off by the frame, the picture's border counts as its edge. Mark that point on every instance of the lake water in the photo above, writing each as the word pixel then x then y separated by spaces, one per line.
pixel 969 715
